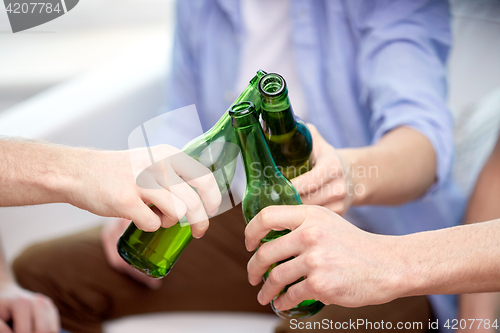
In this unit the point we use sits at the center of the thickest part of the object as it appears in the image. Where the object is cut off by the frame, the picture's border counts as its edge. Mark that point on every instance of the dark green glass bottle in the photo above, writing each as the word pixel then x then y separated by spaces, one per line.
pixel 154 253
pixel 266 186
pixel 287 136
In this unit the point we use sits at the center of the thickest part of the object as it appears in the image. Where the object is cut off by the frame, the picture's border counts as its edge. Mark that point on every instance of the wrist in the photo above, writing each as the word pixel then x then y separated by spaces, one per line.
pixel 64 177
pixel 398 277
pixel 414 278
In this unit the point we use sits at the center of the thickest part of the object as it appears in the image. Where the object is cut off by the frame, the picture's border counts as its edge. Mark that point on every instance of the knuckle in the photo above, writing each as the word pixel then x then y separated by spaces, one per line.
pixel 261 253
pixel 316 285
pixel 126 199
pixel 314 260
pixel 274 276
pixel 310 236
pixel 23 303
pixel 267 214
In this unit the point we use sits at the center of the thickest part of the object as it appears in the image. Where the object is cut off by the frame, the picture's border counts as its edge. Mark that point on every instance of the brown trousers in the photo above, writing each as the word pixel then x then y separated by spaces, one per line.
pixel 209 276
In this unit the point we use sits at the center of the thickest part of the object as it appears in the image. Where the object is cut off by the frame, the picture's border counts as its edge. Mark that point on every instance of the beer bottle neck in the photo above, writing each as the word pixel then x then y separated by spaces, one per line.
pixel 277 112
pixel 254 150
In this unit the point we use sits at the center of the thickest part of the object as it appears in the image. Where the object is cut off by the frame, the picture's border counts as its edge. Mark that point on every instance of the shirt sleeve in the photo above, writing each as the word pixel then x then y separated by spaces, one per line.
pixel 181 86
pixel 404 46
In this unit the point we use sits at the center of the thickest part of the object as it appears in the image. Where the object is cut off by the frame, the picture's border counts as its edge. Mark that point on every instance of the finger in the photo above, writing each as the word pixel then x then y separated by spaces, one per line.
pixel 200 177
pixel 325 167
pixel 293 296
pixel 332 189
pixel 318 141
pixel 269 253
pixel 315 133
pixel 324 171
pixel 338 207
pixel 279 277
pixel 195 214
pixel 156 190
pixel 21 316
pixel 273 218
pixel 171 207
pixel 43 316
pixel 4 328
pixel 144 217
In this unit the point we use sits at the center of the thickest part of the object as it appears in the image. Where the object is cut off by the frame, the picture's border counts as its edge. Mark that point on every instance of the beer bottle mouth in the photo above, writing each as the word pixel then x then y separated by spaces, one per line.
pixel 241 109
pixel 243 114
pixel 272 84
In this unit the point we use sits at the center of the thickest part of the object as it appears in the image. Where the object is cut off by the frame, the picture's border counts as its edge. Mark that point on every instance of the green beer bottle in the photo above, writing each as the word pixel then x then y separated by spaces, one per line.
pixel 287 136
pixel 266 186
pixel 154 253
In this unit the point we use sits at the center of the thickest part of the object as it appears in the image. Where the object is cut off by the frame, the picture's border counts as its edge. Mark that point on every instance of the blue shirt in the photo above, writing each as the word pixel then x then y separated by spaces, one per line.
pixel 366 67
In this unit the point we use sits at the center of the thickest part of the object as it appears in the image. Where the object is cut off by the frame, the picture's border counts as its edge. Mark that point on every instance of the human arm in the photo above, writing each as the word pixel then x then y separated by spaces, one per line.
pixel 401 75
pixel 104 182
pixel 398 168
pixel 483 206
pixel 350 267
pixel 27 311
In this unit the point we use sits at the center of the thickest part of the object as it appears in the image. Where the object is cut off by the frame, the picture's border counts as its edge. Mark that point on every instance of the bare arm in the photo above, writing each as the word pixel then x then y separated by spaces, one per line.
pixel 399 168
pixel 350 267
pixel 104 182
pixel 484 206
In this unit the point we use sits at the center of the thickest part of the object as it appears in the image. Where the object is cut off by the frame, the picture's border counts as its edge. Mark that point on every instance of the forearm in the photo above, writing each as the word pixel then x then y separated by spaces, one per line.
pixel 398 169
pixel 34 173
pixel 463 259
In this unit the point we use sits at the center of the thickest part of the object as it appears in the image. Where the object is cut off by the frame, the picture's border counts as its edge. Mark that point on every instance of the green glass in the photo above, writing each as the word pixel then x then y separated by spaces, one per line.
pixel 287 136
pixel 154 253
pixel 266 186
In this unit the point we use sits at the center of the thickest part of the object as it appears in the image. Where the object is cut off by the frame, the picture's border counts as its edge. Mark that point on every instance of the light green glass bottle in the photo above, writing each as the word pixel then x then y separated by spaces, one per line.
pixel 287 136
pixel 266 186
pixel 154 253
